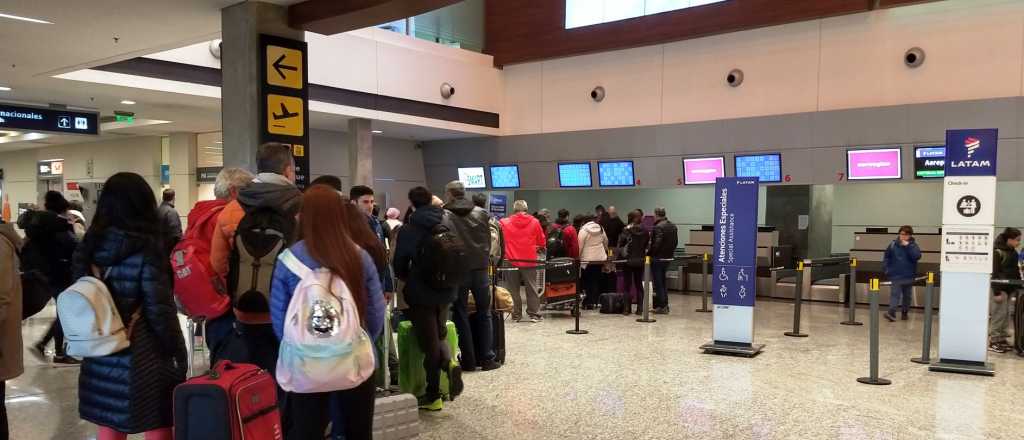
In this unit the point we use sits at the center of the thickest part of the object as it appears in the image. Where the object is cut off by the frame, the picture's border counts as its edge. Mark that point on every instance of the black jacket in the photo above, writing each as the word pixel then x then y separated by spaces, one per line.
pixel 472 225
pixel 171 224
pixel 1005 263
pixel 613 227
pixel 49 245
pixel 417 291
pixel 664 239
pixel 131 391
pixel 633 241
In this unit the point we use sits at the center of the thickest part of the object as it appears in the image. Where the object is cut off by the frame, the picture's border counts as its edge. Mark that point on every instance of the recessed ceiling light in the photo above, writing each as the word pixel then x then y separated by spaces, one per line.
pixel 5 89
pixel 378 132
pixel 128 102
pixel 28 19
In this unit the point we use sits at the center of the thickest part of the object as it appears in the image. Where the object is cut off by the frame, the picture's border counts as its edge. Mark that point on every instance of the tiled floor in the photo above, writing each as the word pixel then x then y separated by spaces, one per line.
pixel 627 380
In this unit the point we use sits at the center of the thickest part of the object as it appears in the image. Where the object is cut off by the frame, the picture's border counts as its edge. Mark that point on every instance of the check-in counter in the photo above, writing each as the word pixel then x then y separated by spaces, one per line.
pixel 869 251
pixel 769 254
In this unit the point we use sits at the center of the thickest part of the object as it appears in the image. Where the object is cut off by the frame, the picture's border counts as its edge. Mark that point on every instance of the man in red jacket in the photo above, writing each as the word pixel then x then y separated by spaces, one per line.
pixel 523 238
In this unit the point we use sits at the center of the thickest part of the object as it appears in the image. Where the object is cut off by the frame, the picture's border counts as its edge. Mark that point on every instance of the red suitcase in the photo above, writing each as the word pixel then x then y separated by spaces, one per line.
pixel 231 402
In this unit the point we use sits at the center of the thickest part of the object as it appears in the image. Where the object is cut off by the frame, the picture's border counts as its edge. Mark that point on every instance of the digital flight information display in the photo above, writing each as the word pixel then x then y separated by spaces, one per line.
pixel 472 177
pixel 930 162
pixel 619 173
pixel 574 175
pixel 505 176
pixel 877 164
pixel 766 167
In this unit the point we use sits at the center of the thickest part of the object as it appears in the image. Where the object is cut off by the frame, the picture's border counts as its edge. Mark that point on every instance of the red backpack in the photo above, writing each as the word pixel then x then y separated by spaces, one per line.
pixel 198 288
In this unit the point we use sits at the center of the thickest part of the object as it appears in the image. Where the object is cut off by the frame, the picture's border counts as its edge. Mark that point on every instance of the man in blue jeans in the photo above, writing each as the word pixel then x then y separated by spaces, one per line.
pixel 900 265
pixel 472 225
pixel 664 240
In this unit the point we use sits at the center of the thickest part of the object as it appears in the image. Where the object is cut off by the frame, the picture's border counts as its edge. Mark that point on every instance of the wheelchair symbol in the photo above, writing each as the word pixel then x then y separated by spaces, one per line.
pixel 723 276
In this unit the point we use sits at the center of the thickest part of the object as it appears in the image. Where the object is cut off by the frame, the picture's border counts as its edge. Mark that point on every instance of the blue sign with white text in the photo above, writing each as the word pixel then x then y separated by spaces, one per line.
pixel 499 205
pixel 971 152
pixel 734 279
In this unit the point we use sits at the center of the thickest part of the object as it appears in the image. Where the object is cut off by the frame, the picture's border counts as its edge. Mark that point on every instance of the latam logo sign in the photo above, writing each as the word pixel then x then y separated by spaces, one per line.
pixel 971 152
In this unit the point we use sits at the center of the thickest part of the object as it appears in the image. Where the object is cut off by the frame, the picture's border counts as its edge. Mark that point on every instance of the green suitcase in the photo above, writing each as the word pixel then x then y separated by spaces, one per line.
pixel 412 378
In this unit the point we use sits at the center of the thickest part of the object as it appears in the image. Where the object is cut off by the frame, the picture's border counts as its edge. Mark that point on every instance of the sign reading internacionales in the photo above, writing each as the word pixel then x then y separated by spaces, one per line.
pixel 284 99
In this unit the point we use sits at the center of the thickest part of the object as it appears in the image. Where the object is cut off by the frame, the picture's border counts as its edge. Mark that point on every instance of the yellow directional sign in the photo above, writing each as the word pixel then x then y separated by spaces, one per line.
pixel 298 150
pixel 285 115
pixel 284 67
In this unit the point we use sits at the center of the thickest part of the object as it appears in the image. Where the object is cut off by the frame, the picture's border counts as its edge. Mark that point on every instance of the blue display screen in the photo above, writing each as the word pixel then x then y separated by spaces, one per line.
pixel 766 167
pixel 616 173
pixel 505 176
pixel 574 175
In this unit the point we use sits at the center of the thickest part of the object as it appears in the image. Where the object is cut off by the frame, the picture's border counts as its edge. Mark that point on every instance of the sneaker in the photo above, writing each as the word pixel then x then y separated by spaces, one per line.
pixel 995 347
pixel 1006 345
pixel 66 360
pixel 431 405
pixel 534 319
pixel 39 351
pixel 890 317
pixel 455 384
pixel 490 365
pixel 904 316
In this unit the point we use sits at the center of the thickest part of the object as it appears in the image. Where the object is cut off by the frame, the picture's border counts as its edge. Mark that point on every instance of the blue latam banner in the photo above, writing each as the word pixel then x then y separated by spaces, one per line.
pixel 971 152
pixel 735 253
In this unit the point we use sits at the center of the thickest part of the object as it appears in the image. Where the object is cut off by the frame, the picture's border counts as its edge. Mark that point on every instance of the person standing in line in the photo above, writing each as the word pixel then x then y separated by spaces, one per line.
pixel 593 250
pixel 613 225
pixel 428 306
pixel 363 198
pixel 664 241
pixel 900 263
pixel 392 222
pixel 170 220
pixel 633 243
pixel 327 243
pixel 497 238
pixel 472 225
pixel 524 237
pixel 569 234
pixel 131 391
pixel 11 363
pixel 48 249
pixel 1004 266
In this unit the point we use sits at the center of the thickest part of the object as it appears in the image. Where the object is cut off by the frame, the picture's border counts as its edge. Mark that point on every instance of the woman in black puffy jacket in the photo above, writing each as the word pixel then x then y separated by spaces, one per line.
pixel 634 241
pixel 130 391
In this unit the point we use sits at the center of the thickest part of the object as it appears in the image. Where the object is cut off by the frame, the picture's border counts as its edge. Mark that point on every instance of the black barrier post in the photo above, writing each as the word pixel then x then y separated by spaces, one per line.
pixel 798 301
pixel 576 330
pixel 645 298
pixel 704 284
pixel 926 340
pixel 873 378
pixel 852 300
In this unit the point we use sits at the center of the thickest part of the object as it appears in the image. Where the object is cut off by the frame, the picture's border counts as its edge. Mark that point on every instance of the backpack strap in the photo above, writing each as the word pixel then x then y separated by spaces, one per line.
pixel 293 264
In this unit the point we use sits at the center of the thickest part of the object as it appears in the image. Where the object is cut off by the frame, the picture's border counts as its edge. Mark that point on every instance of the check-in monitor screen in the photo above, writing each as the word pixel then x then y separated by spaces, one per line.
pixel 618 173
pixel 505 176
pixel 703 170
pixel 879 164
pixel 472 177
pixel 766 167
pixel 930 162
pixel 574 175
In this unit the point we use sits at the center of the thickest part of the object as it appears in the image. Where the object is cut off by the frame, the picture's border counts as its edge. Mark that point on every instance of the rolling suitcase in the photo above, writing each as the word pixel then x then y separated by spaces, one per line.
pixel 412 378
pixel 497 323
pixel 612 302
pixel 231 402
pixel 395 415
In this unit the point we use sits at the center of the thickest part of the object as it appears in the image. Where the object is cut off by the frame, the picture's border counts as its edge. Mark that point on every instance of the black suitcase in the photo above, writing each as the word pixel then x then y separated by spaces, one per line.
pixel 611 303
pixel 497 322
pixel 561 270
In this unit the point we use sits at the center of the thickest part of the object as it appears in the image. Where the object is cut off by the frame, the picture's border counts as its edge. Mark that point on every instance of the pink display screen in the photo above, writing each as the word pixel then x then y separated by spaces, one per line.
pixel 874 164
pixel 703 170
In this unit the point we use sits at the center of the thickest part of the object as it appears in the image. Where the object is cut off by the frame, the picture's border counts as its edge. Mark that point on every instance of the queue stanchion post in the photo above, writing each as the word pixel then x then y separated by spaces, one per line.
pixel 645 298
pixel 873 378
pixel 579 300
pixel 926 339
pixel 851 318
pixel 704 284
pixel 798 300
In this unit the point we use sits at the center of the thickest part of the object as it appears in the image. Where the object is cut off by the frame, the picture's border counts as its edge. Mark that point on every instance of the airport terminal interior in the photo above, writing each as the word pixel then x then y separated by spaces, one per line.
pixel 725 219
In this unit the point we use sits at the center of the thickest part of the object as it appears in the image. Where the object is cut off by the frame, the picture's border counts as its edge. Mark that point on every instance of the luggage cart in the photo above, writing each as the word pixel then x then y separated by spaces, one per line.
pixel 561 279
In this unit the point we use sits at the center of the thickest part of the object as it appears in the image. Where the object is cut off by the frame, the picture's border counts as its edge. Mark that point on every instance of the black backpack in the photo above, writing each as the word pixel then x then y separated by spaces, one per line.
pixel 441 257
pixel 261 236
pixel 556 244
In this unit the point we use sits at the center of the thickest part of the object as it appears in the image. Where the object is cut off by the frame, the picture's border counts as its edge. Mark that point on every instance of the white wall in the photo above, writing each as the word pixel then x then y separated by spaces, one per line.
pixel 975 50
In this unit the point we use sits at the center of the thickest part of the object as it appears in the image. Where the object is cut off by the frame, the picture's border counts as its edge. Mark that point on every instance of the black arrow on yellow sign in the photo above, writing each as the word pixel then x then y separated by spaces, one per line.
pixel 280 67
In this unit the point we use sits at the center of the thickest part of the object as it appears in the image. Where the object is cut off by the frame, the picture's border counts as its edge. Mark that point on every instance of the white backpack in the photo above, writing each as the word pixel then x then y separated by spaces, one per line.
pixel 92 325
pixel 323 347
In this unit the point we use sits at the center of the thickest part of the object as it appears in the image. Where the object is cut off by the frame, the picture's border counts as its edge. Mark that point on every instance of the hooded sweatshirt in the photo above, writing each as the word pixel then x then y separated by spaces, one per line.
pixel 593 243
pixel 523 237
pixel 267 190
pixel 417 290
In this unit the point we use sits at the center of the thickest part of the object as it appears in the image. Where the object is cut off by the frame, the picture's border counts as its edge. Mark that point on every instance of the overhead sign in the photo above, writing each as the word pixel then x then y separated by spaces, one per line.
pixel 18 117
pixel 875 164
pixel 971 152
pixel 929 162
pixel 969 201
pixel 207 174
pixel 50 169
pixel 284 91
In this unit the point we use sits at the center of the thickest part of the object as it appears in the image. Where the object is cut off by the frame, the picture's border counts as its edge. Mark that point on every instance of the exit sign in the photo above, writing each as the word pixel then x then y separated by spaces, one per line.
pixel 125 118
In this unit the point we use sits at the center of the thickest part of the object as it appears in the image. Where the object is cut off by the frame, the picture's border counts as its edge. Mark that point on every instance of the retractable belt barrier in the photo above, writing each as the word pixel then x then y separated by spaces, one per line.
pixel 704 284
pixel 851 292
pixel 873 378
pixel 926 338
pixel 798 301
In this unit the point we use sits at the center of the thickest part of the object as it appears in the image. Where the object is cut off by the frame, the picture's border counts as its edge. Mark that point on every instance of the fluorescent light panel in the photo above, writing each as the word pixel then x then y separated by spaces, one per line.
pixel 20 18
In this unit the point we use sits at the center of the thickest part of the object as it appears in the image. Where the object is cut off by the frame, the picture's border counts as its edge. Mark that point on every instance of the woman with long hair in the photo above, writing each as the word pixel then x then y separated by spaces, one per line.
pixel 1005 265
pixel 326 242
pixel 131 391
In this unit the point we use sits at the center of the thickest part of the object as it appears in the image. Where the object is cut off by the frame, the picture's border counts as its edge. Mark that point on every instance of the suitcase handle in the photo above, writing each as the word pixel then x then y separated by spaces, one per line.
pixel 223 365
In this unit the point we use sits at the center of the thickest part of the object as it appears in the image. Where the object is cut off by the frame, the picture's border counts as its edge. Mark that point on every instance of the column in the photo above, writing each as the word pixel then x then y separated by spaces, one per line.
pixel 241 26
pixel 182 159
pixel 360 152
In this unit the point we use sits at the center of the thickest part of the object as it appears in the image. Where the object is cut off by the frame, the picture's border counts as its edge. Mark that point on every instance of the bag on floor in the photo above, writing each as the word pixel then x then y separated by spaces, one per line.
pixel 612 303
pixel 199 290
pixel 92 325
pixel 502 301
pixel 396 417
pixel 261 236
pixel 323 347
pixel 231 402
pixel 412 378
pixel 498 327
